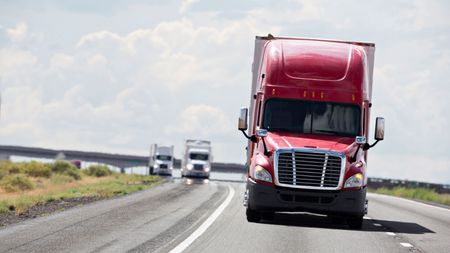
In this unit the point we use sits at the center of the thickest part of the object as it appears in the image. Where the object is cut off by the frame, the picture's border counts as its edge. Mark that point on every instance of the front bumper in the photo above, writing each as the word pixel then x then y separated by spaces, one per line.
pixel 161 171
pixel 272 198
pixel 195 173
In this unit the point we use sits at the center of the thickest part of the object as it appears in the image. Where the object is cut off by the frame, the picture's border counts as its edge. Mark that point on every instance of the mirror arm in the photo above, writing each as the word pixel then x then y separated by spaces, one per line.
pixel 251 138
pixel 368 146
pixel 353 158
pixel 266 151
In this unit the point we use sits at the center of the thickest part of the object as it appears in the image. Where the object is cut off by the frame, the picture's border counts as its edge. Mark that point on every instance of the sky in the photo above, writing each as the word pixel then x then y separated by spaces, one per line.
pixel 116 76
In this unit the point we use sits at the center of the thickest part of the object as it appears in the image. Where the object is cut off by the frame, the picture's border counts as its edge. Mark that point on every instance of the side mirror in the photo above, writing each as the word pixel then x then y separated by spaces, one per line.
pixel 242 124
pixel 261 132
pixel 360 140
pixel 379 129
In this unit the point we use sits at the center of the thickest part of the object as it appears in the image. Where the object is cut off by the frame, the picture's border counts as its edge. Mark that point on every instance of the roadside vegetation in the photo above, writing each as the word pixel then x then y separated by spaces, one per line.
pixel 23 185
pixel 415 193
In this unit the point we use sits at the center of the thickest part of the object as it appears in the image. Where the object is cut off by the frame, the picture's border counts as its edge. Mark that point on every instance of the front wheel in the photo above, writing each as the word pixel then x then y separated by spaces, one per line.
pixel 355 222
pixel 252 215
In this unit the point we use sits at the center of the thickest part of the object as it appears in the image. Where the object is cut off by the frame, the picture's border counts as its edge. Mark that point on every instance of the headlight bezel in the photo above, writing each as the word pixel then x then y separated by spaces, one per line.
pixel 261 174
pixel 355 181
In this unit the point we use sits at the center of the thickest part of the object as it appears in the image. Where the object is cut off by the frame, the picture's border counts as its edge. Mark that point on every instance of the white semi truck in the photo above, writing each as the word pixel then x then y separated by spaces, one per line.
pixel 160 160
pixel 197 159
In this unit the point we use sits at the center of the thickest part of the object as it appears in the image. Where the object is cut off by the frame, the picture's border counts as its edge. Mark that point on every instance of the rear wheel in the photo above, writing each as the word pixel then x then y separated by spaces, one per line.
pixel 355 222
pixel 252 215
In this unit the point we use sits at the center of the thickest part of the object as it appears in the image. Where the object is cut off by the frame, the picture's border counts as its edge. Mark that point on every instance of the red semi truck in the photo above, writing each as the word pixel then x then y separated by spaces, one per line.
pixel 307 128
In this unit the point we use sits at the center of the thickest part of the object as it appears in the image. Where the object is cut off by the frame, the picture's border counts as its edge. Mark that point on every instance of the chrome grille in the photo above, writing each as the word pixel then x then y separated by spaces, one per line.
pixel 306 169
pixel 198 166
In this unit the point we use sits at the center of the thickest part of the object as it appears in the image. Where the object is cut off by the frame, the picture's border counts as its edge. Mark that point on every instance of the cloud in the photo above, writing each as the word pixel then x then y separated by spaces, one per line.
pixel 61 61
pixel 186 4
pixel 18 33
pixel 201 120
pixel 15 62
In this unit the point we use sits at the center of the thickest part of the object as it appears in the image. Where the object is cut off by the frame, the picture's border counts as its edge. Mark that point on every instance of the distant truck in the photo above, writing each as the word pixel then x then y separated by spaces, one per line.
pixel 310 104
pixel 197 159
pixel 161 160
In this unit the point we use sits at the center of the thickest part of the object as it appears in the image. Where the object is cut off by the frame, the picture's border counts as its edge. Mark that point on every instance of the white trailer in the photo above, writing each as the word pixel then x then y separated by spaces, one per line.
pixel 160 160
pixel 197 159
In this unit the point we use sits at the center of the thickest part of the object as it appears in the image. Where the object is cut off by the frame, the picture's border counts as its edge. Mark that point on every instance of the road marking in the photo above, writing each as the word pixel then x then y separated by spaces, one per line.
pixel 377 225
pixel 205 225
pixel 390 233
pixel 406 245
pixel 411 201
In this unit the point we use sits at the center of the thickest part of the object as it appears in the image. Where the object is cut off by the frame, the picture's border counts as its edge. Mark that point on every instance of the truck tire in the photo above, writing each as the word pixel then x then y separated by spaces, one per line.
pixel 151 171
pixel 355 222
pixel 252 215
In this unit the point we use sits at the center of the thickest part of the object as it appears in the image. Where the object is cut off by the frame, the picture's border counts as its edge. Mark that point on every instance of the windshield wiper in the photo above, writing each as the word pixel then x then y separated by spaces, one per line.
pixel 280 129
pixel 327 131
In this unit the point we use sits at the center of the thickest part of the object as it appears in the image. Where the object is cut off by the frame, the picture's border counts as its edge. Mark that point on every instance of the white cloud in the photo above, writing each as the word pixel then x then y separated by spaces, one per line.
pixel 201 120
pixel 186 4
pixel 428 14
pixel 18 33
pixel 15 62
pixel 61 61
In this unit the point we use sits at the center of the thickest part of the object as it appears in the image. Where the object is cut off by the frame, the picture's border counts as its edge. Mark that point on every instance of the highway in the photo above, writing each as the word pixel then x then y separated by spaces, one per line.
pixel 208 216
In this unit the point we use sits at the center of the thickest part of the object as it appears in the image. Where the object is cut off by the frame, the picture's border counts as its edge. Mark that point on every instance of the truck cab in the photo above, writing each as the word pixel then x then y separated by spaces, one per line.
pixel 197 159
pixel 308 127
pixel 161 160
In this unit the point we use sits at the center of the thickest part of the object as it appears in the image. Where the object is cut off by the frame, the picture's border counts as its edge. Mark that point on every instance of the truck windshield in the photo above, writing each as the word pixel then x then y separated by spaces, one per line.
pixel 311 117
pixel 163 157
pixel 198 156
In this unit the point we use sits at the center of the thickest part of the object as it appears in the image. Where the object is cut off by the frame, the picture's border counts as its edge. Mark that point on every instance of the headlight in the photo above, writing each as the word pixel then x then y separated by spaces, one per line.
pixel 262 174
pixel 354 181
pixel 206 169
pixel 189 166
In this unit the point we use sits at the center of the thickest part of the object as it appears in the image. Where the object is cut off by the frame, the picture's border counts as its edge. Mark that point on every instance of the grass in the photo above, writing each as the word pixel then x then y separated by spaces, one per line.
pixel 16 182
pixel 98 171
pixel 21 189
pixel 416 193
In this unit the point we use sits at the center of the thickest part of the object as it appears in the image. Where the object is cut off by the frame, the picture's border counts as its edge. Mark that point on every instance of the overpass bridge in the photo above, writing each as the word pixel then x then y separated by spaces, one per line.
pixel 122 161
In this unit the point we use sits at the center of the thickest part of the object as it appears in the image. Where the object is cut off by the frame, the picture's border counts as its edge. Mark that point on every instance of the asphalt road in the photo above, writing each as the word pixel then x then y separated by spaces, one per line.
pixel 178 213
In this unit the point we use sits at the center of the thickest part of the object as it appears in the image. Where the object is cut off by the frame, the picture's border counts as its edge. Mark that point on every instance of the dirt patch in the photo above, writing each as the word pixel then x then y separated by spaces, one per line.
pixel 43 209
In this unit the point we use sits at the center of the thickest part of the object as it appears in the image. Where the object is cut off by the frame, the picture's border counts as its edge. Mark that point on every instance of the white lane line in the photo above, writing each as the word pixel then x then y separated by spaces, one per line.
pixel 410 201
pixel 208 222
pixel 377 225
pixel 390 233
pixel 406 245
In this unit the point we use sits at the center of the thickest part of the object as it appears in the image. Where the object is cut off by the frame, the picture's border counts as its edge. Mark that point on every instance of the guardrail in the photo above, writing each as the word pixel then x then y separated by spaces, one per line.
pixel 376 183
